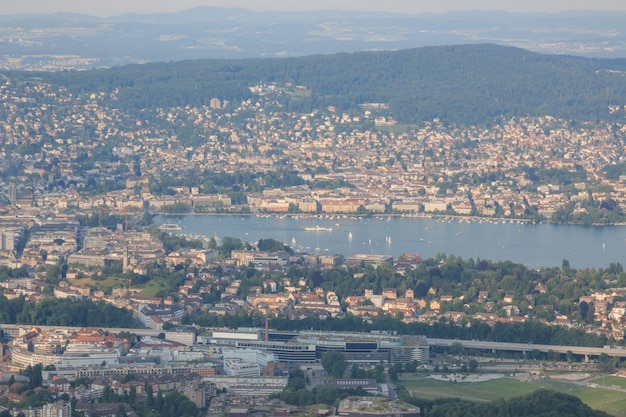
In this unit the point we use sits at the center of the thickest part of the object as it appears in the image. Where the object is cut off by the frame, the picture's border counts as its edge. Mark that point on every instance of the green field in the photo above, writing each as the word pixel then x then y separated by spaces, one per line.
pixel 104 285
pixel 147 290
pixel 610 381
pixel 479 391
pixel 610 401
pixel 151 288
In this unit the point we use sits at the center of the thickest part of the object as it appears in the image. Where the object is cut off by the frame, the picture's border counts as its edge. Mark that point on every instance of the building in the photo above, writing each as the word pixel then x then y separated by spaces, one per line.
pixel 199 394
pixel 260 357
pixel 284 351
pixel 141 369
pixel 375 407
pixel 239 368
pixel 9 236
pixel 153 316
pixel 185 338
pixel 364 259
pixel 368 347
pixel 227 337
pixel 57 409
pixel 369 385
pixel 257 386
pixel 22 358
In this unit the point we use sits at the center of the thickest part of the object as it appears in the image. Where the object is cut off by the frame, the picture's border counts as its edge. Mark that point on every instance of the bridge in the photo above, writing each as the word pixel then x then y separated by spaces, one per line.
pixel 529 347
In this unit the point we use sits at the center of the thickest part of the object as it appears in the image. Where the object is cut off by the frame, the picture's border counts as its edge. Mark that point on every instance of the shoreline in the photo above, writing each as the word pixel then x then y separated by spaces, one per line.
pixel 456 217
pixel 497 239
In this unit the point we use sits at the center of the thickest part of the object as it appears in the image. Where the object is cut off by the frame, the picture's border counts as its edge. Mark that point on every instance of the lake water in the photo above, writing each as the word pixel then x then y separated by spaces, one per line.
pixel 533 245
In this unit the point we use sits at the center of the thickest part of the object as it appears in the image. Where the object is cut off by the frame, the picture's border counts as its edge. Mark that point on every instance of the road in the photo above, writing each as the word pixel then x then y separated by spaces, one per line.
pixel 528 347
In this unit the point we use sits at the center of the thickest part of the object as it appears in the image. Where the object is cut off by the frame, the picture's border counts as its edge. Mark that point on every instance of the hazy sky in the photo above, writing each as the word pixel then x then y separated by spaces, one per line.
pixel 115 7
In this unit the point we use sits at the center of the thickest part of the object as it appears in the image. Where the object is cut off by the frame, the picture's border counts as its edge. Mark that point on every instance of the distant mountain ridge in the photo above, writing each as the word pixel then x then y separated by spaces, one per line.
pixel 73 41
pixel 463 84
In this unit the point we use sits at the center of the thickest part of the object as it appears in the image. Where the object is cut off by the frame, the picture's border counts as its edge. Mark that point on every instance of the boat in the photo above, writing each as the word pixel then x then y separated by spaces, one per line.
pixel 319 229
pixel 350 236
pixel 170 226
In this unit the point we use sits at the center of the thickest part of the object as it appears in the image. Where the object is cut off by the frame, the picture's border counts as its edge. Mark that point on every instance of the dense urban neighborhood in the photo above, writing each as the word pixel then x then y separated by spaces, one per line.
pixel 67 151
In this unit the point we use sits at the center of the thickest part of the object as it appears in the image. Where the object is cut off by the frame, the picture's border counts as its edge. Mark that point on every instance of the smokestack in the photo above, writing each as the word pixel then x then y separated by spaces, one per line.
pixel 267 329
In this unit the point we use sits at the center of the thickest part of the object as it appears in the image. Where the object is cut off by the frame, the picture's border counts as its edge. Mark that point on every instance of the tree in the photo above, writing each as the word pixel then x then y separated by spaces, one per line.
pixel 590 316
pixel 410 366
pixel 121 410
pixel 565 266
pixel 132 395
pixel 53 274
pixel 158 402
pixel 378 373
pixel 229 244
pixel 334 363
pixel 606 364
pixel 149 394
pixel 456 348
pixel 473 365
pixel 394 370
pixel 34 376
pixel 326 394
pixel 356 372
pixel 583 308
pixel 270 245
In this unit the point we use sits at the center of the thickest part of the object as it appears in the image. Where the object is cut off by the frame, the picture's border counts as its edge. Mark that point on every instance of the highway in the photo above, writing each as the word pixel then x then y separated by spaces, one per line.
pixel 527 347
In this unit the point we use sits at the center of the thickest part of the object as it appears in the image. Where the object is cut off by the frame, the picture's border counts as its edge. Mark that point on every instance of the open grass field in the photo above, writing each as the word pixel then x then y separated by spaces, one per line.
pixel 151 288
pixel 147 290
pixel 110 282
pixel 610 381
pixel 479 391
pixel 610 401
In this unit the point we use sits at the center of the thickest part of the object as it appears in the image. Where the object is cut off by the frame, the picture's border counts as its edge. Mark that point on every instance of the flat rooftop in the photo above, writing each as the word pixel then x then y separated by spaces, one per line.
pixel 376 406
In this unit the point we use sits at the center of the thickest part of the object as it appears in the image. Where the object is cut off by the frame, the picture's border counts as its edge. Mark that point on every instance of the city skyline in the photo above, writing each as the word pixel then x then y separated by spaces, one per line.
pixel 116 7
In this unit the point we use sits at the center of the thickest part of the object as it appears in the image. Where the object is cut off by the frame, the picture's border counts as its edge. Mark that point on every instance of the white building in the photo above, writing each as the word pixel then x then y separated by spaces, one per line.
pixel 186 338
pixel 58 409
pixel 260 357
pixel 239 368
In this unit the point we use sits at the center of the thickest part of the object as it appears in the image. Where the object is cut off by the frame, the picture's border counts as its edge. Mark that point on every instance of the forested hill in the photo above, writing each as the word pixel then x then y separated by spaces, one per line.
pixel 466 84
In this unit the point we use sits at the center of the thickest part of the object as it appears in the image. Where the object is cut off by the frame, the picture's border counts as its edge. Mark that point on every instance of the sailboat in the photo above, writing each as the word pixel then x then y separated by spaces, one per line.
pixel 349 235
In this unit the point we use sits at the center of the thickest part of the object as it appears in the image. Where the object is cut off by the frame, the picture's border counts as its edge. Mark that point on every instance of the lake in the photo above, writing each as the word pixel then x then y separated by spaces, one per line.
pixel 534 245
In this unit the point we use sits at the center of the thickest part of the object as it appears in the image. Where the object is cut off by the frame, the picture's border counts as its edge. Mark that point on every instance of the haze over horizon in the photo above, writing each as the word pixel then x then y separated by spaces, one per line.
pixel 117 7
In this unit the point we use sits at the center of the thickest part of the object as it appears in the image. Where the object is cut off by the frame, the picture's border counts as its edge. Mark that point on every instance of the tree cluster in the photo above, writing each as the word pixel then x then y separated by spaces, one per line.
pixel 541 403
pixel 63 312
pixel 541 293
